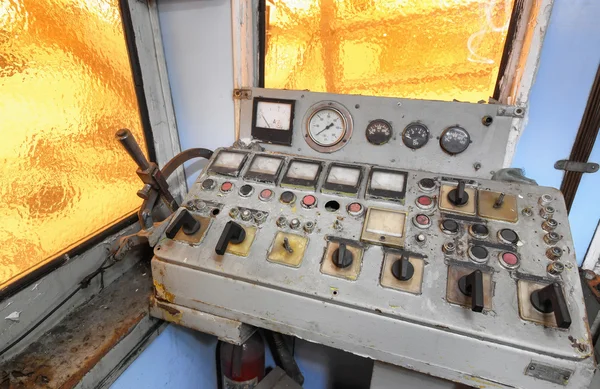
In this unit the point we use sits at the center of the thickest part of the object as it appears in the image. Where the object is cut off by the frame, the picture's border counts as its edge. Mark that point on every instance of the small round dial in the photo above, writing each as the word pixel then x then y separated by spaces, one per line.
pixel 455 140
pixel 415 136
pixel 379 132
pixel 327 127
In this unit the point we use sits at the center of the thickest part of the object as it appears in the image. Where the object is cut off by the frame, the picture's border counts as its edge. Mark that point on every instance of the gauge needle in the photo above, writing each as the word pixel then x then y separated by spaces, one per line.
pixel 326 128
pixel 265 119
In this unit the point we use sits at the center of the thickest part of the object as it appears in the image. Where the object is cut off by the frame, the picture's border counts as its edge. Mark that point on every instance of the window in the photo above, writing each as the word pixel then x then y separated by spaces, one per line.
pixel 427 49
pixel 66 87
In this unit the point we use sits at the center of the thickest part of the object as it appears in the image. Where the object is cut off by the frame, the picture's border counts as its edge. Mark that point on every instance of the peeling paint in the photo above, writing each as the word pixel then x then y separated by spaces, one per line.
pixel 13 316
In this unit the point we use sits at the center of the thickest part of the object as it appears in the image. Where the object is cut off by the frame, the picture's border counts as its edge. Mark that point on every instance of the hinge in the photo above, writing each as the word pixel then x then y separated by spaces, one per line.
pixel 572 166
pixel 242 94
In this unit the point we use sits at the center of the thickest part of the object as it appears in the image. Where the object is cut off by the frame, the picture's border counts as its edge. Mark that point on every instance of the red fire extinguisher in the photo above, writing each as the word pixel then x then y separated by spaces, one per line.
pixel 242 367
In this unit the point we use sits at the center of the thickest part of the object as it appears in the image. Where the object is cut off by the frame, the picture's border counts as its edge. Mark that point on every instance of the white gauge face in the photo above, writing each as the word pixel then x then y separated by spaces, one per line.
pixel 386 223
pixel 327 127
pixel 229 160
pixel 302 170
pixel 274 116
pixel 265 165
pixel 387 181
pixel 343 176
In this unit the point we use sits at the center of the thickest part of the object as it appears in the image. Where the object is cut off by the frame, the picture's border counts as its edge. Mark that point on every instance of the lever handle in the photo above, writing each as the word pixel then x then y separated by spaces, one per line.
pixel 472 285
pixel 342 257
pixel 458 196
pixel 402 269
pixel 183 219
pixel 232 233
pixel 551 299
pixel 133 148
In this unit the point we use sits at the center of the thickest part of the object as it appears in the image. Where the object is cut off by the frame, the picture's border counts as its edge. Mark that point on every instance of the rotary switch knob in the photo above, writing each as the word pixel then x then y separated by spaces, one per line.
pixel 232 233
pixel 472 285
pixel 402 269
pixel 342 257
pixel 184 220
pixel 458 196
pixel 551 299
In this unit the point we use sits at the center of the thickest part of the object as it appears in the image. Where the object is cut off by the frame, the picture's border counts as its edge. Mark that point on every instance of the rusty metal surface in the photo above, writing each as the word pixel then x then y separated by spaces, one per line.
pixel 65 354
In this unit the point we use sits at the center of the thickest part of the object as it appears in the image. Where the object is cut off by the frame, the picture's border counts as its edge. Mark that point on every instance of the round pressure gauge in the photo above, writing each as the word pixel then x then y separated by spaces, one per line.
pixel 455 140
pixel 327 126
pixel 379 132
pixel 415 136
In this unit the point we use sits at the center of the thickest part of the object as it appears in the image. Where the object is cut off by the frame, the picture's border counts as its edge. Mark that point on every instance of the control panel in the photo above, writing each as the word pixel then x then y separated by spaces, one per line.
pixel 312 235
pixel 442 137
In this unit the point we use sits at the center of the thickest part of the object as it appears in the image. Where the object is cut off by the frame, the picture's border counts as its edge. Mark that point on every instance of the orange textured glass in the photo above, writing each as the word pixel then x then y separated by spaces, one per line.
pixel 66 87
pixel 425 49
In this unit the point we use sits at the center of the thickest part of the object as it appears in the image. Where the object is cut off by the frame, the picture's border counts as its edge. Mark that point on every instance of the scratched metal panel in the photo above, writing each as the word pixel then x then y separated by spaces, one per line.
pixel 488 146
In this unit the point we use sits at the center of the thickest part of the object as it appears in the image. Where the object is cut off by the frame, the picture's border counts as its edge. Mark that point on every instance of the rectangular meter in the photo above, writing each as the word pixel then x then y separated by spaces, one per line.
pixel 273 120
pixel 384 227
pixel 387 184
pixel 264 168
pixel 303 173
pixel 343 179
pixel 228 162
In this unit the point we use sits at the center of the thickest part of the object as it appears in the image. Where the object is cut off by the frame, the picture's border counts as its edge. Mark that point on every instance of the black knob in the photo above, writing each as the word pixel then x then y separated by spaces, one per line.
pixel 458 196
pixel 232 233
pixel 342 257
pixel 402 269
pixel 472 285
pixel 183 219
pixel 551 299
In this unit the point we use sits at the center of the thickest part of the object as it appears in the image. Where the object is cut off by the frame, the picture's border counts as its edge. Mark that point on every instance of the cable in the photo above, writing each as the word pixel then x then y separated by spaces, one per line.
pixel 82 285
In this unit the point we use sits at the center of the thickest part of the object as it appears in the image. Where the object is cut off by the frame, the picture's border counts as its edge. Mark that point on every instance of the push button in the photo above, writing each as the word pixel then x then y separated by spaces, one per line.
pixel 246 190
pixel 355 209
pixel 265 195
pixel 208 184
pixel 309 201
pixel 478 254
pixel 479 231
pixel 508 236
pixel 287 197
pixel 424 202
pixel 422 221
pixel 426 184
pixel 226 187
pixel 509 260
pixel 449 226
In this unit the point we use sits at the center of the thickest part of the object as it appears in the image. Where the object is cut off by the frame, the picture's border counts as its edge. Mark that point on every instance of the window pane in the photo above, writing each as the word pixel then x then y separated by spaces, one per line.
pixel 65 88
pixel 428 49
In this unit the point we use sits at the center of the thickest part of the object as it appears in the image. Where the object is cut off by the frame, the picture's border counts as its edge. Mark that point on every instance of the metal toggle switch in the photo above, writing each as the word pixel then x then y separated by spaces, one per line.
pixel 551 299
pixel 458 196
pixel 184 220
pixel 232 233
pixel 472 285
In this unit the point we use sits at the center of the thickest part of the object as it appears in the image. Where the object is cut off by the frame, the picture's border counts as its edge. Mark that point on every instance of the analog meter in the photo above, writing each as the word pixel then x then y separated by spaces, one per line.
pixel 327 126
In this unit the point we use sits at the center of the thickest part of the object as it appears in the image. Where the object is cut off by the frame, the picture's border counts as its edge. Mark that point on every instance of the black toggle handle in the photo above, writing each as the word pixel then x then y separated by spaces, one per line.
pixel 133 148
pixel 458 196
pixel 402 269
pixel 472 285
pixel 342 257
pixel 551 299
pixel 232 233
pixel 183 219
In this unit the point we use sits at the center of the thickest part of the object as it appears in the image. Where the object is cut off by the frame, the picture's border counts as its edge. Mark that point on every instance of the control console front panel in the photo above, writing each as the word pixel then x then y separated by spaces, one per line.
pixel 461 259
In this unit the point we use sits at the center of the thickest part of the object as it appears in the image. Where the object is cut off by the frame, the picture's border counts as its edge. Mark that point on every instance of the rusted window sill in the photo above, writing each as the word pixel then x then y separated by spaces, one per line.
pixel 112 328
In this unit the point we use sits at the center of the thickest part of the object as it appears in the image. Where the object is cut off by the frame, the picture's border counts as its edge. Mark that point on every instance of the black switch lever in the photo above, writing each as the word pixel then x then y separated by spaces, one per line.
pixel 183 219
pixel 342 257
pixel 551 299
pixel 232 233
pixel 458 196
pixel 472 285
pixel 402 269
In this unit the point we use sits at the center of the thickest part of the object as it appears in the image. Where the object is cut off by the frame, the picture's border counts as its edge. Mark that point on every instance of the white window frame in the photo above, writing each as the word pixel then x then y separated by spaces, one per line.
pixel 515 85
pixel 31 303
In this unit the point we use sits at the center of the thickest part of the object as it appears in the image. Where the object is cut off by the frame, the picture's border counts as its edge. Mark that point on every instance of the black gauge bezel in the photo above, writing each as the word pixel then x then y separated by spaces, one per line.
pixel 369 137
pixel 297 182
pixel 412 147
pixel 228 171
pixel 264 177
pixel 391 195
pixel 327 186
pixel 456 126
pixel 270 135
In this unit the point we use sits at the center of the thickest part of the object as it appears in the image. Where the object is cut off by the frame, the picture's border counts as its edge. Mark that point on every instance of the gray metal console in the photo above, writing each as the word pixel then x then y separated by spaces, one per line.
pixel 462 278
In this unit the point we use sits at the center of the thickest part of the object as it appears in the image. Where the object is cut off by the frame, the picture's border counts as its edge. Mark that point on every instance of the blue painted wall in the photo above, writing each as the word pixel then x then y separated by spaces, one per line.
pixel 569 60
